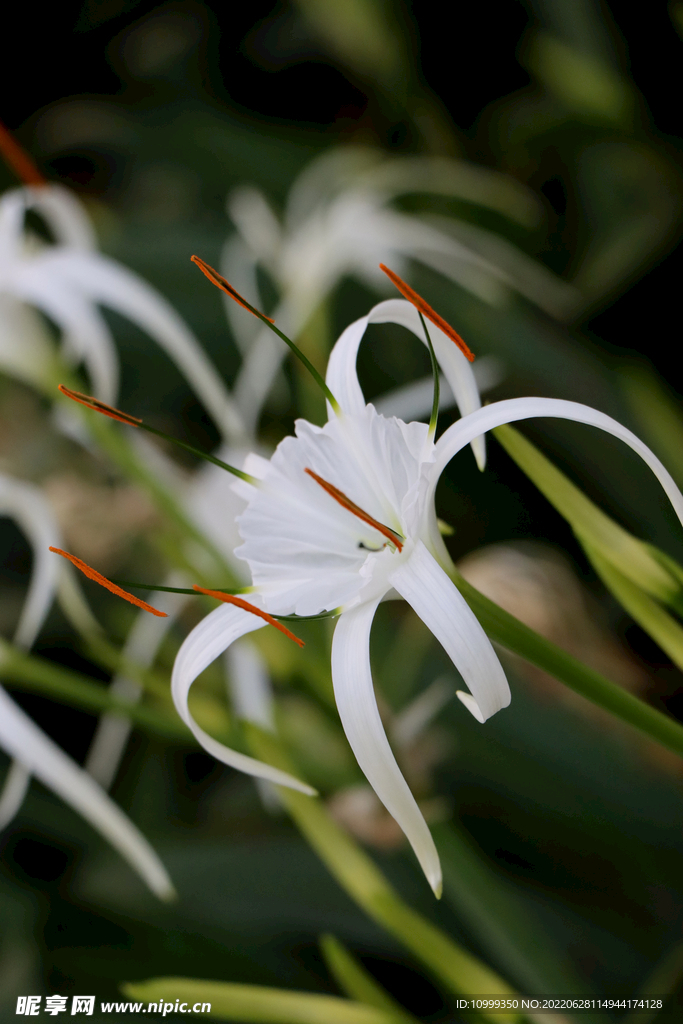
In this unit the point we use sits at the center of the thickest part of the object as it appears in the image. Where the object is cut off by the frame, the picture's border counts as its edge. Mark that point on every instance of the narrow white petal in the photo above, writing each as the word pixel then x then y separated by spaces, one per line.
pixel 23 740
pixel 107 282
pixel 26 349
pixel 65 216
pixel 251 693
pixel 205 643
pixel 457 369
pixel 142 643
pixel 27 505
pixel 462 433
pixel 413 719
pixel 341 377
pixel 85 334
pixel 357 706
pixel 434 597
pixel 249 684
pixel 14 791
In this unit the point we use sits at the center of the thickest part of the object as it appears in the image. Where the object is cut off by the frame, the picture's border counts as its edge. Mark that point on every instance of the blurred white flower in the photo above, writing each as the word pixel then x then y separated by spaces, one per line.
pixel 339 221
pixel 68 281
pixel 32 751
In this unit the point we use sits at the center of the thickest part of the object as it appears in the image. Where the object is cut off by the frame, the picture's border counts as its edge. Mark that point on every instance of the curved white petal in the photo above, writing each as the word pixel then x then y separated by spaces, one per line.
pixel 105 281
pixel 27 505
pixel 23 740
pixel 64 214
pixel 357 706
pixel 428 590
pixel 142 643
pixel 462 433
pixel 249 684
pixel 86 336
pixel 26 349
pixel 342 378
pixel 205 643
pixel 14 790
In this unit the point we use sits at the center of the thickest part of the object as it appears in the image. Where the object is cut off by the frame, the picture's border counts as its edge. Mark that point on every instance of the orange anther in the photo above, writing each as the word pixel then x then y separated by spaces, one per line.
pixel 93 574
pixel 226 287
pixel 18 159
pixel 423 307
pixel 97 406
pixel 231 599
pixel 351 506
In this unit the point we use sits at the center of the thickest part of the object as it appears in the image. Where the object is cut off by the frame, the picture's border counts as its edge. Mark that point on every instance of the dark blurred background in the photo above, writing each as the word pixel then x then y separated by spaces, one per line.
pixel 266 65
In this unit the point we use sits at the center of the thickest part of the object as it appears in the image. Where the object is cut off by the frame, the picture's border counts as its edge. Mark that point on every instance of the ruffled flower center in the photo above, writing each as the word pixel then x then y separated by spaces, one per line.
pixel 337 508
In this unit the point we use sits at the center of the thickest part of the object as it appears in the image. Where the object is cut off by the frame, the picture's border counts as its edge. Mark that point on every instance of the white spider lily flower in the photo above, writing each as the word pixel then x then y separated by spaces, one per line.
pixel 33 752
pixel 339 221
pixel 68 281
pixel 343 517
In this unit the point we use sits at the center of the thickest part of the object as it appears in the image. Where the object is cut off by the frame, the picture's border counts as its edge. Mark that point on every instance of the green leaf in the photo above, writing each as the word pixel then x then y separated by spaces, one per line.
pixel 650 569
pixel 451 964
pixel 508 631
pixel 257 1004
pixel 500 920
pixel 585 85
pixel 654 619
pixel 358 983
pixel 41 676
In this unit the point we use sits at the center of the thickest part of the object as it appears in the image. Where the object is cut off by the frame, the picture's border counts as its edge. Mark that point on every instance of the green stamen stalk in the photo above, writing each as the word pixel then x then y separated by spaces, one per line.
pixel 226 287
pixel 435 373
pixel 133 421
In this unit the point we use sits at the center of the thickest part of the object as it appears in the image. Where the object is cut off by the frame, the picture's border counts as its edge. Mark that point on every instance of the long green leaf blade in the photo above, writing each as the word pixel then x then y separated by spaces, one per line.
pixel 256 1004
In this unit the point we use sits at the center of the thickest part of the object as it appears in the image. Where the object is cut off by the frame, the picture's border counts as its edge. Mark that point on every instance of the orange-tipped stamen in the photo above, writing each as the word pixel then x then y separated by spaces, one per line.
pixel 231 599
pixel 351 506
pixel 426 310
pixel 93 574
pixel 107 410
pixel 220 282
pixel 134 421
pixel 18 159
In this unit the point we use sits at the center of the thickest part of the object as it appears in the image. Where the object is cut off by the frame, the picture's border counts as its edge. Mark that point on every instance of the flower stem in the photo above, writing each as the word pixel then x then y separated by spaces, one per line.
pixel 505 629
pixel 453 966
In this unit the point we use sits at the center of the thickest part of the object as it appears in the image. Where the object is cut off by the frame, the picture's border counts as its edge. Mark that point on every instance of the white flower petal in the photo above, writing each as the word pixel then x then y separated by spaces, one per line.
pixel 64 214
pixel 305 551
pixel 23 740
pixel 513 409
pixel 435 598
pixel 26 349
pixel 342 377
pixel 249 684
pixel 106 282
pixel 86 336
pixel 357 706
pixel 142 643
pixel 205 643
pixel 14 790
pixel 27 505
